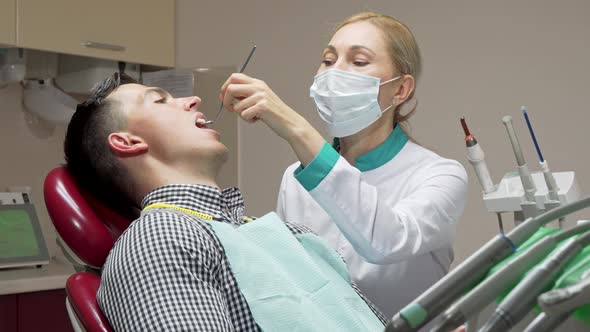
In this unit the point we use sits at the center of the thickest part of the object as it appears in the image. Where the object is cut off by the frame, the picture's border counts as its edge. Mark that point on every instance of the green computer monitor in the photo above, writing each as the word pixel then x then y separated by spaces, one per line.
pixel 21 238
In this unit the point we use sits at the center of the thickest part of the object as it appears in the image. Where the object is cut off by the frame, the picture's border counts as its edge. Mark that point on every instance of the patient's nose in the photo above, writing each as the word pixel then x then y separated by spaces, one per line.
pixel 191 103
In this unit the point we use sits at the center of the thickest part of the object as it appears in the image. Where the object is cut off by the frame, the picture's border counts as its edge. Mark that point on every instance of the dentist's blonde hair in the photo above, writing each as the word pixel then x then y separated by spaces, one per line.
pixel 404 53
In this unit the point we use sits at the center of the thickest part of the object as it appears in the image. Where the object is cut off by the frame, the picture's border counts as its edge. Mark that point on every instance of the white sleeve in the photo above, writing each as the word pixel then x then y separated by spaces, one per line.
pixel 382 233
pixel 281 199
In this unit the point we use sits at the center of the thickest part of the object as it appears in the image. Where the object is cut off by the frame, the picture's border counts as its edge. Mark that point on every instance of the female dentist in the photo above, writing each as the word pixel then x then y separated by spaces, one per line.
pixel 387 204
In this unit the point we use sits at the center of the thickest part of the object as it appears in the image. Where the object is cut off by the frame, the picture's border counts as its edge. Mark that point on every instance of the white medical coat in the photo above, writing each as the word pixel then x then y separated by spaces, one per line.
pixel 394 222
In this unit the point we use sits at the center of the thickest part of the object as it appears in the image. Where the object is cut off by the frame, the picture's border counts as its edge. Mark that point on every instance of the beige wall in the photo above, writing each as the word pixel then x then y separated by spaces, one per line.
pixel 482 59
pixel 206 83
pixel 27 154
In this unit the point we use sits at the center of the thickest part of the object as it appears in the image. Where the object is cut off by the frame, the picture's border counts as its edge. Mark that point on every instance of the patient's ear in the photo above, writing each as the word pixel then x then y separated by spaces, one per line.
pixel 127 145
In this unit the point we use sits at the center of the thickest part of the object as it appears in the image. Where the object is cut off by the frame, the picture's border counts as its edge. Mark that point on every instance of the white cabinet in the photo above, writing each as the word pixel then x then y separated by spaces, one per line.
pixel 7 22
pixel 139 31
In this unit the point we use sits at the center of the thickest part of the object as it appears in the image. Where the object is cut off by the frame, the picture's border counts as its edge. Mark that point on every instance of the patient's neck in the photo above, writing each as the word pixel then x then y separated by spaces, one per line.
pixel 157 175
pixel 184 178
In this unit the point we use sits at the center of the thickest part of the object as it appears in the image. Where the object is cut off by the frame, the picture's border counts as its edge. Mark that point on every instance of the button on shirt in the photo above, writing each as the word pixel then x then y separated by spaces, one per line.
pixel 168 271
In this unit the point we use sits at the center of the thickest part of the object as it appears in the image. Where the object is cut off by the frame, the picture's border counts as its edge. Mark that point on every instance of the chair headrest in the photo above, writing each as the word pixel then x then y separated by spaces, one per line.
pixel 88 227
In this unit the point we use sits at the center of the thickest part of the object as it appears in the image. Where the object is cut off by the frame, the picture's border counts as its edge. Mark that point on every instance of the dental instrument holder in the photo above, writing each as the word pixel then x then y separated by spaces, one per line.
pixel 552 200
pixel 530 193
pixel 508 196
pixel 524 193
pixel 529 206
pixel 552 188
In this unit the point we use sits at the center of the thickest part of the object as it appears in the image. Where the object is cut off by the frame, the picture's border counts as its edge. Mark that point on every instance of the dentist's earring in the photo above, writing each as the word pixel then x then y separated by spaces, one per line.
pixel 393 102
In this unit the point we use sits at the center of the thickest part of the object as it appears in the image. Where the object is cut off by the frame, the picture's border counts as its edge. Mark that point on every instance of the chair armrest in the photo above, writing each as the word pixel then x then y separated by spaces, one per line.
pixel 81 289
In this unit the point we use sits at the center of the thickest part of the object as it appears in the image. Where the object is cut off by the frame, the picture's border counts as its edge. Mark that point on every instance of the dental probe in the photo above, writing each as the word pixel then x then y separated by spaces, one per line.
pixel 241 71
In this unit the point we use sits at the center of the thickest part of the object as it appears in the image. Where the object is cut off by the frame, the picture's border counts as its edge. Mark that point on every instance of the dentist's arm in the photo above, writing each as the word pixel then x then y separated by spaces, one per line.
pixel 380 230
pixel 256 101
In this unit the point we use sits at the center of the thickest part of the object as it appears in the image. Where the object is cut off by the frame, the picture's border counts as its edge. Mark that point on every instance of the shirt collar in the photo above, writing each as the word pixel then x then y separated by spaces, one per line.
pixel 382 153
pixel 199 198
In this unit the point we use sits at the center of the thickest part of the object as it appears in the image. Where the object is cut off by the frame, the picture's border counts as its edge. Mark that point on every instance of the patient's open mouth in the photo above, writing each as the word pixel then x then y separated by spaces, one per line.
pixel 201 123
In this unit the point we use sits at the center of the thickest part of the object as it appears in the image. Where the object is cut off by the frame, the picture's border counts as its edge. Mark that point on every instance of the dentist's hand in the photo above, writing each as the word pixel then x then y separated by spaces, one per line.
pixel 256 101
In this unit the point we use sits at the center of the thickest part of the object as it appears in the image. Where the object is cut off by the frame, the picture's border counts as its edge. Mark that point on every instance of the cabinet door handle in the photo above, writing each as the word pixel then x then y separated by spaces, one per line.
pixel 103 46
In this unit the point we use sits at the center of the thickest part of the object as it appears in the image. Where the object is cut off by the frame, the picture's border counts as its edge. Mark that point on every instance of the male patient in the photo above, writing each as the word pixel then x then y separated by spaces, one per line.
pixel 192 261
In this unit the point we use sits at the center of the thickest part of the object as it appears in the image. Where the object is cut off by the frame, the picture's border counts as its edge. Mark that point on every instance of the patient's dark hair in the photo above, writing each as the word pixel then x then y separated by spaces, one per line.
pixel 88 156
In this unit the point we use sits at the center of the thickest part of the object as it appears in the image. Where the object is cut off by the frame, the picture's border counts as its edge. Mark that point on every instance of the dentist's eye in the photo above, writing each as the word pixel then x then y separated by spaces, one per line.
pixel 360 63
pixel 327 62
pixel 161 101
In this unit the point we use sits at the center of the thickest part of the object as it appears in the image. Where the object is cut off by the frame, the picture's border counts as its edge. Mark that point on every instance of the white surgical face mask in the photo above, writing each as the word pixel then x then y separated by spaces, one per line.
pixel 346 101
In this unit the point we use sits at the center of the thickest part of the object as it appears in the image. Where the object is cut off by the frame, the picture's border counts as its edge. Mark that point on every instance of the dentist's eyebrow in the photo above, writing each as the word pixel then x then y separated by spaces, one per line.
pixel 329 48
pixel 361 47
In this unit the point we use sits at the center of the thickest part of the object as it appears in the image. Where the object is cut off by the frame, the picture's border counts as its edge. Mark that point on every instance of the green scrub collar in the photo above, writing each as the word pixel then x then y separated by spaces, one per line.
pixel 382 153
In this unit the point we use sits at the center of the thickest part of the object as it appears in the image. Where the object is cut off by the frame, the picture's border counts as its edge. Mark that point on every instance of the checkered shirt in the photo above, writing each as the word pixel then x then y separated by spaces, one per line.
pixel 168 271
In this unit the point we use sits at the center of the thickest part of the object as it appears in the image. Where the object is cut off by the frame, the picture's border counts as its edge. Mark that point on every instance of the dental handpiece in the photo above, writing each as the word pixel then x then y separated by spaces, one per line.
pixel 552 188
pixel 484 293
pixel 547 323
pixel 523 297
pixel 476 157
pixel 567 299
pixel 452 286
pixel 525 175
pixel 241 71
pixel 559 304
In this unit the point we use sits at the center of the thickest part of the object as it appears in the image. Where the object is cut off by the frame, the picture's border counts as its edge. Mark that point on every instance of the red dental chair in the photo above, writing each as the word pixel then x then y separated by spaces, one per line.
pixel 86 231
